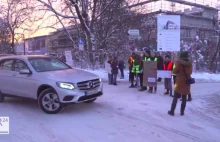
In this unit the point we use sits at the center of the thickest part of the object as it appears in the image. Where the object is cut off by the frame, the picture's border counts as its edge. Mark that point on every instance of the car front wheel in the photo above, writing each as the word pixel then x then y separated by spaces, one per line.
pixel 2 97
pixel 49 101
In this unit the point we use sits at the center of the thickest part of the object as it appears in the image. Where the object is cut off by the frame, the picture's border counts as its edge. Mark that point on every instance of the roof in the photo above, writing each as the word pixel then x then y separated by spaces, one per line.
pixel 25 56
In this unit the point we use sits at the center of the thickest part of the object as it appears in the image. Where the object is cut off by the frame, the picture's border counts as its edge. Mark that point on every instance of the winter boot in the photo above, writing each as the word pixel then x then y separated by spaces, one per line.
pixel 132 86
pixel 143 89
pixel 150 91
pixel 171 113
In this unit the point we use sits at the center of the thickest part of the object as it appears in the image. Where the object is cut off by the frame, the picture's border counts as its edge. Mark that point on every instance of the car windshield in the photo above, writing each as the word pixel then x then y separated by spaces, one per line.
pixel 47 64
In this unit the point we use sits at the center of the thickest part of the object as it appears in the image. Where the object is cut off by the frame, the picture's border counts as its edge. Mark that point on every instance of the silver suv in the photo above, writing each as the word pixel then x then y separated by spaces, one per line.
pixel 48 80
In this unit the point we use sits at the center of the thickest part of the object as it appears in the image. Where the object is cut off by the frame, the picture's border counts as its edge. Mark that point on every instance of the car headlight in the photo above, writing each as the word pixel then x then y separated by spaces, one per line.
pixel 100 79
pixel 65 85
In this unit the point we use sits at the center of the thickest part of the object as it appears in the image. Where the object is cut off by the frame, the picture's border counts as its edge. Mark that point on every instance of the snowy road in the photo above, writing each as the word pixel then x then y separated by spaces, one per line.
pixel 121 115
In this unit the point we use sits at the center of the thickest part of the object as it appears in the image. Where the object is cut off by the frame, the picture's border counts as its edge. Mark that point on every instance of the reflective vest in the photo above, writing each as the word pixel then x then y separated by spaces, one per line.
pixel 149 59
pixel 169 66
pixel 174 66
pixel 135 68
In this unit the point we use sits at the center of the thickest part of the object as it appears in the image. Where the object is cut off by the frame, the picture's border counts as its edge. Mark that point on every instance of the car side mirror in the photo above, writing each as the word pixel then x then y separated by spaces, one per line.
pixel 25 71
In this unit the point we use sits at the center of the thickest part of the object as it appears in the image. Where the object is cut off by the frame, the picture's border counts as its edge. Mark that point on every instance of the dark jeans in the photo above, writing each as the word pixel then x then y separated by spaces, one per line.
pixel 132 75
pixel 114 79
pixel 110 78
pixel 174 79
pixel 141 77
pixel 122 73
pixel 175 98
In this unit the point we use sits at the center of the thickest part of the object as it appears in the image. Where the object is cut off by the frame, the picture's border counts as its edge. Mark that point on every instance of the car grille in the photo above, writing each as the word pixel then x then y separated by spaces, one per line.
pixel 88 85
pixel 84 98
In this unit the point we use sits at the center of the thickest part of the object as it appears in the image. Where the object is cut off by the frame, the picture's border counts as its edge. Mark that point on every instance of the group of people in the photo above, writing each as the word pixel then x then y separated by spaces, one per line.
pixel 115 66
pixel 181 71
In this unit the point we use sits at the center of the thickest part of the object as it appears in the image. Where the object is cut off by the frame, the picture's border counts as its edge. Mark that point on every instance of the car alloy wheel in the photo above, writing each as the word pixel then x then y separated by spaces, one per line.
pixel 49 101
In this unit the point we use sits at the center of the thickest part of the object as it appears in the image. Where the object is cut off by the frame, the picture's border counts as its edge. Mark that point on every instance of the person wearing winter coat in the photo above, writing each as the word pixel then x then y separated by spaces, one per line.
pixel 145 58
pixel 130 62
pixel 114 67
pixel 135 69
pixel 110 76
pixel 183 70
pixel 168 66
pixel 159 64
pixel 121 68
pixel 155 59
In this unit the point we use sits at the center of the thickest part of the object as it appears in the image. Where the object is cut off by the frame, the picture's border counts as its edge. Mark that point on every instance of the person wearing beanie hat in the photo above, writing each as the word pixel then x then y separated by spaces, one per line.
pixel 183 70
pixel 168 66
pixel 145 57
pixel 155 59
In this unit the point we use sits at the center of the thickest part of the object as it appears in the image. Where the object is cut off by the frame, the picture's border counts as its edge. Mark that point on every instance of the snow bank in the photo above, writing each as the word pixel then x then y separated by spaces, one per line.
pixel 207 77
pixel 200 77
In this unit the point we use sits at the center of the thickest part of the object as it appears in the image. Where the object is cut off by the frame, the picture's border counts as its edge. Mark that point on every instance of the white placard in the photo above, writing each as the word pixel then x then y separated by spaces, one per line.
pixel 164 74
pixel 151 79
pixel 108 68
pixel 69 58
pixel 4 125
pixel 168 33
pixel 81 47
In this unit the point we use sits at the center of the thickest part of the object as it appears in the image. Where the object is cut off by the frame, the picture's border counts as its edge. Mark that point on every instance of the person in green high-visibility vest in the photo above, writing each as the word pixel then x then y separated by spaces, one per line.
pixel 141 75
pixel 152 58
pixel 135 70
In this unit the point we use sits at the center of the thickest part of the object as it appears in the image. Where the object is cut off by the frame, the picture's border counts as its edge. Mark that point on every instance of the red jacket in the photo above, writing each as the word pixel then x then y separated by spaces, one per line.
pixel 168 66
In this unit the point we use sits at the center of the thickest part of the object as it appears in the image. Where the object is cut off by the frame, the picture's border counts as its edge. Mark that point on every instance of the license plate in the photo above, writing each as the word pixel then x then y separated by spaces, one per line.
pixel 92 92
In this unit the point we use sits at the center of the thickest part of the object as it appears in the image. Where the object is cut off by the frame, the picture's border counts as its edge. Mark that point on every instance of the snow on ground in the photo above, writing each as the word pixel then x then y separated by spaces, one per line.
pixel 199 76
pixel 120 115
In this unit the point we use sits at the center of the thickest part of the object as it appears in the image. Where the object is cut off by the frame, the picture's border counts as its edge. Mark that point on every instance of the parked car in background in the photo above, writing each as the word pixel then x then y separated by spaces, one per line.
pixel 50 81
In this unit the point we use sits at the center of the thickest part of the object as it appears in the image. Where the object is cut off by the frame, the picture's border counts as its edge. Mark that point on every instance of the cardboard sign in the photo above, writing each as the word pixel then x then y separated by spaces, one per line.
pixel 69 58
pixel 164 74
pixel 150 74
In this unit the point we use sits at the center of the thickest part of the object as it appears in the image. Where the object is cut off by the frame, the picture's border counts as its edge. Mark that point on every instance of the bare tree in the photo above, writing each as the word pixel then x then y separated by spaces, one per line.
pixel 18 17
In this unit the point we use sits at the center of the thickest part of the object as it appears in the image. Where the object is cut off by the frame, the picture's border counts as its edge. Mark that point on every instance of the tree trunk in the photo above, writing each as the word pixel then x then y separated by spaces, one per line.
pixel 13 44
pixel 214 57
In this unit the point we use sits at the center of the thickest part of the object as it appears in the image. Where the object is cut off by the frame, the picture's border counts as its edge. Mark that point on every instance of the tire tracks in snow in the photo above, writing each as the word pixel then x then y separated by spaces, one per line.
pixel 136 119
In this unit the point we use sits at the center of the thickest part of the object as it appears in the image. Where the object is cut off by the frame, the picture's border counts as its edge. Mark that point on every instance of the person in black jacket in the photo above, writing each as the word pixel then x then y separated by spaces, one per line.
pixel 159 64
pixel 153 57
pixel 141 75
pixel 122 67
pixel 114 66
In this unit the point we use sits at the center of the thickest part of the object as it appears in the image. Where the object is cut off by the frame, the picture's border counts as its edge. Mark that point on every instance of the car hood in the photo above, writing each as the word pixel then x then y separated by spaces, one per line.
pixel 71 75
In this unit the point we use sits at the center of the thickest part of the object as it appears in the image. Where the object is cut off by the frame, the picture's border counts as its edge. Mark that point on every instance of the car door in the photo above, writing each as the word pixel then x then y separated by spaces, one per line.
pixel 6 76
pixel 26 84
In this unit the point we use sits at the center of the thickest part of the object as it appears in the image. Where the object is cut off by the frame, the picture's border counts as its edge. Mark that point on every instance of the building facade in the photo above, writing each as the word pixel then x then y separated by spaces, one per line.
pixel 35 45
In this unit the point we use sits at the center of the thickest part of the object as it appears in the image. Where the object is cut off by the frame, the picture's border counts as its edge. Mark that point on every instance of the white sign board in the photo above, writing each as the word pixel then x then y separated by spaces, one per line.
pixel 164 74
pixel 134 32
pixel 108 68
pixel 81 47
pixel 69 58
pixel 168 33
